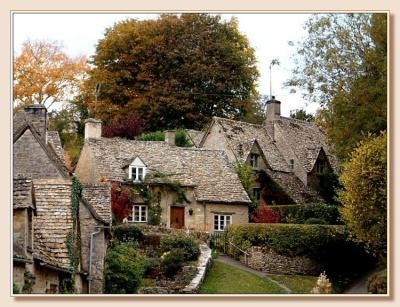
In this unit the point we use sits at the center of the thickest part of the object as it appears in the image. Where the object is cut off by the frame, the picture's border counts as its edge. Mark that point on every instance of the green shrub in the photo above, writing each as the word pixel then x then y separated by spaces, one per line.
pixel 298 214
pixel 172 261
pixel 189 246
pixel 287 239
pixel 124 269
pixel 16 288
pixel 364 196
pixel 151 265
pixel 181 138
pixel 377 283
pixel 329 245
pixel 315 221
pixel 128 233
pixel 152 136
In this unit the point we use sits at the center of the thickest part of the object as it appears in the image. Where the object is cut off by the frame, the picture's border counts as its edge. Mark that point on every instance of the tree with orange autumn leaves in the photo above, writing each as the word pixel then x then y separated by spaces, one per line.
pixel 44 74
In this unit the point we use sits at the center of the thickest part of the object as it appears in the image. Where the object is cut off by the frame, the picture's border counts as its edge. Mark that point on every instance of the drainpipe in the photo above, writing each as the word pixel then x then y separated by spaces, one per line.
pixel 91 254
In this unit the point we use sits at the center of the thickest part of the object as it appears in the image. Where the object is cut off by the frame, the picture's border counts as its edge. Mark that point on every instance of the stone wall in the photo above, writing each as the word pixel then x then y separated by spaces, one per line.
pixel 18 274
pixel 87 227
pixel 20 232
pixel 203 264
pixel 46 280
pixel 266 260
pixel 30 159
pixel 85 168
pixel 216 140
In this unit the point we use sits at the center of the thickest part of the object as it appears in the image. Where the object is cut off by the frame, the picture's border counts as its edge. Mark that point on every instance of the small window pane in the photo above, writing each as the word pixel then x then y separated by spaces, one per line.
pixel 216 222
pixel 228 220
pixel 134 173
pixel 140 173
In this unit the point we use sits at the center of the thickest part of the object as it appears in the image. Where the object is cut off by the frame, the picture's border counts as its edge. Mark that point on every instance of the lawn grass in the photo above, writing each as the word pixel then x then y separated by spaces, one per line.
pixel 226 279
pixel 299 284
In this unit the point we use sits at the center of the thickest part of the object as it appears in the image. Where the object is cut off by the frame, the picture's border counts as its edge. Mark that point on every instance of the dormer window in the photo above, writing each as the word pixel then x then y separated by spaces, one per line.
pixel 137 170
pixel 254 160
pixel 291 164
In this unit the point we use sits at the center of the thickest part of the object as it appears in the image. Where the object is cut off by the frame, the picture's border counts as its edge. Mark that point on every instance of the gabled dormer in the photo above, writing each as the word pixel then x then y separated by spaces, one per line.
pixel 137 170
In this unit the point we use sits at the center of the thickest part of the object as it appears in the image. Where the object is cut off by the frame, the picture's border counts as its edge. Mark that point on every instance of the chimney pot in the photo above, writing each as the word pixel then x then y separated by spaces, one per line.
pixel 273 109
pixel 170 137
pixel 37 115
pixel 92 129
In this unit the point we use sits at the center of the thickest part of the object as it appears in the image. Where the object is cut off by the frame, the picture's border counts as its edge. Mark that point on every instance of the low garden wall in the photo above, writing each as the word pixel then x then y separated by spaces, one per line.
pixel 203 264
pixel 268 261
pixel 289 248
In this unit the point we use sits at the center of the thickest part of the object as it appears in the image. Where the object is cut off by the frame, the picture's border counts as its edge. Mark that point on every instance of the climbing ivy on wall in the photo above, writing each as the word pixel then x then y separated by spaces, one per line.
pixel 153 202
pixel 73 239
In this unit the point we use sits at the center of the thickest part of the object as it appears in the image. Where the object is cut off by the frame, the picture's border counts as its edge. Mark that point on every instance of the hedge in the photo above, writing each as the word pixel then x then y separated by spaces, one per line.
pixel 288 239
pixel 128 233
pixel 298 214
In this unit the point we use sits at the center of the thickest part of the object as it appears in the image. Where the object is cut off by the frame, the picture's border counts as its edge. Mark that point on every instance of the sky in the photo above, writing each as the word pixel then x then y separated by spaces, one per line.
pixel 269 34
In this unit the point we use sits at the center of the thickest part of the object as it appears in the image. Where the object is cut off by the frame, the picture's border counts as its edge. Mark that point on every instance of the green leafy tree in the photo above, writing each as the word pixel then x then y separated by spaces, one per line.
pixel 69 122
pixel 342 65
pixel 364 197
pixel 176 71
pixel 301 114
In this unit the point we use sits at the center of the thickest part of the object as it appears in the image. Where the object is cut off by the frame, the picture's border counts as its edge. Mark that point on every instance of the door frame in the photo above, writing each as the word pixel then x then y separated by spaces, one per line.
pixel 183 216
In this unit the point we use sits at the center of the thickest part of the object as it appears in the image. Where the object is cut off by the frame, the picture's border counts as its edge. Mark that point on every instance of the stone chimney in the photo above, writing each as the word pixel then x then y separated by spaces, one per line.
pixel 36 114
pixel 92 129
pixel 170 137
pixel 273 109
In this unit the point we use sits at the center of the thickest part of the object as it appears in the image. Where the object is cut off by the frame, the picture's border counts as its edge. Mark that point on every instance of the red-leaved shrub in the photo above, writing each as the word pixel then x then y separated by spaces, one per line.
pixel 265 214
pixel 129 127
pixel 120 203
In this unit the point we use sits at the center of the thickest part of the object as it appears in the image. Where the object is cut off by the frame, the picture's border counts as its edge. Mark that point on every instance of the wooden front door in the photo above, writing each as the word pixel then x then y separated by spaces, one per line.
pixel 177 217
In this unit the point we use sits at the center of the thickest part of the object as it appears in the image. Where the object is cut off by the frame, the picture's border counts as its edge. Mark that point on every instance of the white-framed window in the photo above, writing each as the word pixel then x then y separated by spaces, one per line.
pixel 137 170
pixel 254 160
pixel 257 193
pixel 221 221
pixel 139 214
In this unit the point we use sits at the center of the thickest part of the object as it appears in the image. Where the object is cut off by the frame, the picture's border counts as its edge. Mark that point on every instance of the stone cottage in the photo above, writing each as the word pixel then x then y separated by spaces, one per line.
pixel 289 155
pixel 213 194
pixel 43 223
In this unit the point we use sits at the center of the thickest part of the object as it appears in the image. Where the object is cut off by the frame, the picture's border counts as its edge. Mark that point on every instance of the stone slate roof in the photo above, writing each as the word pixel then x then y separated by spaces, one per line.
pixel 277 139
pixel 22 193
pixel 98 197
pixel 294 187
pixel 53 150
pixel 53 221
pixel 208 171
pixel 241 137
pixel 305 139
pixel 53 138
pixel 195 136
